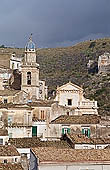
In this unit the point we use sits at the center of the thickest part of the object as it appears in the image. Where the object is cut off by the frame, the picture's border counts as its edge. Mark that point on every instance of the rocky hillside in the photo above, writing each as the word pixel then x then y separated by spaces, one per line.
pixel 60 65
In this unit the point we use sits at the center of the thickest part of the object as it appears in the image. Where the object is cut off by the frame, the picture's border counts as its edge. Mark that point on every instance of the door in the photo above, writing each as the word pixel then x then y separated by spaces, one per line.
pixel 34 131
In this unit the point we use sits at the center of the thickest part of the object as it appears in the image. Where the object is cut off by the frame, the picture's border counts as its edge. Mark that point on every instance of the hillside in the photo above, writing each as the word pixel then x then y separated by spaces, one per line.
pixel 60 65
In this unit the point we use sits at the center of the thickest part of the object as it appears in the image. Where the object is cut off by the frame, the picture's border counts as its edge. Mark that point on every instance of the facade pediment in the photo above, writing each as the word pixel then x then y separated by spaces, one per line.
pixel 69 87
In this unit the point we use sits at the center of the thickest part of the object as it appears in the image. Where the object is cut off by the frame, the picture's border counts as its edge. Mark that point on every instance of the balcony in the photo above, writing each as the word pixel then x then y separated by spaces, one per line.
pixel 84 104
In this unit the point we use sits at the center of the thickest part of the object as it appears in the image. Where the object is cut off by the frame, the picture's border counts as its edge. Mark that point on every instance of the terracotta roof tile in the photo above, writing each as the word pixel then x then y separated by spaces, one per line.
pixel 42 103
pixel 17 106
pixel 83 119
pixel 82 139
pixel 36 142
pixel 79 139
pixel 10 166
pixel 54 155
pixel 8 150
pixel 3 132
pixel 8 92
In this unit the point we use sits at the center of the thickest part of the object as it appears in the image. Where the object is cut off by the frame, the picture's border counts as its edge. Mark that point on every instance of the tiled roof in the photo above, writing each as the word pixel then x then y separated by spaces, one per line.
pixel 82 139
pixel 36 142
pixel 17 106
pixel 53 155
pixel 83 119
pixel 79 139
pixel 10 166
pixel 8 150
pixel 3 132
pixel 42 103
pixel 8 92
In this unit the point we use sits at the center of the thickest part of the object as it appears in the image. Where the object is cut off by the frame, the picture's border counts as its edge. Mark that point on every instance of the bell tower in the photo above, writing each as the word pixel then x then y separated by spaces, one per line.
pixel 30 71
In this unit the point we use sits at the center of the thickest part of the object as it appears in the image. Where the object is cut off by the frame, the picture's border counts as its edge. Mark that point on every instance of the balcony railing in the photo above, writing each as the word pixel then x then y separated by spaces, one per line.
pixel 88 104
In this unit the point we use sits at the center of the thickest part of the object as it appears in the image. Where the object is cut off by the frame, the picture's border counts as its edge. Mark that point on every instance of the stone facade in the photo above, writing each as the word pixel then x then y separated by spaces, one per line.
pixel 71 95
pixel 30 74
pixel 17 119
pixel 104 63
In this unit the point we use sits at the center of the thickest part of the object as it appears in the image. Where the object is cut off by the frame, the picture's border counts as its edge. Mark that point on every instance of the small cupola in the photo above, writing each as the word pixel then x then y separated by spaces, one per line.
pixel 30 46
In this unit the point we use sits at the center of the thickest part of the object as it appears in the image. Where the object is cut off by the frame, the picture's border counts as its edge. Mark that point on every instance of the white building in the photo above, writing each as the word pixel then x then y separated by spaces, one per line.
pixel 15 61
pixel 71 95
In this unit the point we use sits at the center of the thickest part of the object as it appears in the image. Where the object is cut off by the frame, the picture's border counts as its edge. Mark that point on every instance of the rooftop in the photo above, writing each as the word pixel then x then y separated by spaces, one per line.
pixel 42 103
pixel 36 142
pixel 10 166
pixel 79 139
pixel 82 139
pixel 83 119
pixel 8 150
pixel 8 92
pixel 54 155
pixel 16 106
pixel 3 132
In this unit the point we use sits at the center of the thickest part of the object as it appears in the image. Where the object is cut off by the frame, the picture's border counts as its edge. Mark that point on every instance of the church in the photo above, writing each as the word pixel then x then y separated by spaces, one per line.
pixel 23 75
pixel 30 82
pixel 26 95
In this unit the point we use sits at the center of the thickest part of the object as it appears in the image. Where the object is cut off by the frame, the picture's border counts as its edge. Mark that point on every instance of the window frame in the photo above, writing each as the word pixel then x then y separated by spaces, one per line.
pixel 29 76
pixel 69 102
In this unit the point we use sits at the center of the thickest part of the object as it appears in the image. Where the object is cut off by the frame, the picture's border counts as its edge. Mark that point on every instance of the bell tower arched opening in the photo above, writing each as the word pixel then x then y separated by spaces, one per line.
pixel 29 78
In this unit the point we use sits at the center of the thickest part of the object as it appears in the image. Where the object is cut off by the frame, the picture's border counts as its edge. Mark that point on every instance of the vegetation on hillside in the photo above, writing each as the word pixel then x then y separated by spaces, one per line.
pixel 60 65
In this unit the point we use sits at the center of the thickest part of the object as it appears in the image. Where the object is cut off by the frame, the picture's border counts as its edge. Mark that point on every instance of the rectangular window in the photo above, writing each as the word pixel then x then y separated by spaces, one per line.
pixel 10 135
pixel 69 102
pixel 42 115
pixel 99 147
pixel 34 131
pixel 16 160
pixel 1 141
pixel 86 132
pixel 65 130
pixel 9 120
pixel 5 101
pixel 5 161
pixel 85 147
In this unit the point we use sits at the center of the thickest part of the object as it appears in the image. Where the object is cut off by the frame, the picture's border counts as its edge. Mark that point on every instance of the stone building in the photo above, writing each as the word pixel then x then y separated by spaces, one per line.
pixel 22 73
pixel 104 63
pixel 71 95
pixel 13 96
pixel 77 124
pixel 30 82
pixel 17 119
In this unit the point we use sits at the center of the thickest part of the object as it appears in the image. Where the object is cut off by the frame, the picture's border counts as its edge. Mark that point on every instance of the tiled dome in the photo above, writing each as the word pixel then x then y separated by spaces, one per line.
pixel 30 45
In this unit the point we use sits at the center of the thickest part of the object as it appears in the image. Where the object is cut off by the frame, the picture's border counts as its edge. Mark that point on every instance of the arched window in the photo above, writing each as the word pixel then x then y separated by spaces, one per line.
pixel 29 78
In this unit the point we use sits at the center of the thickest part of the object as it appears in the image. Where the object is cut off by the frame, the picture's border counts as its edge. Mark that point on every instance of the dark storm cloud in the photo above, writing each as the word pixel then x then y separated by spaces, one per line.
pixel 53 22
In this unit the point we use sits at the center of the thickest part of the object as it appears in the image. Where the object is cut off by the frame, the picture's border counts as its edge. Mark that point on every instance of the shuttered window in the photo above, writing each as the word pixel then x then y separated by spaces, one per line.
pixel 86 132
pixel 34 131
pixel 65 130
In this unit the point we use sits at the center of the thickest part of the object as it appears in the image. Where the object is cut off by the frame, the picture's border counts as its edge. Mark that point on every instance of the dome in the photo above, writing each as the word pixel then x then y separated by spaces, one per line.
pixel 30 45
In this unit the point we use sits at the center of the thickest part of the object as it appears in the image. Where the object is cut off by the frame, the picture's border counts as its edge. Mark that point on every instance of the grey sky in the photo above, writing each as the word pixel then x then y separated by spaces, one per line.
pixel 53 22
